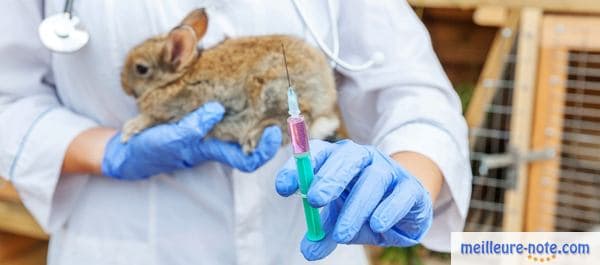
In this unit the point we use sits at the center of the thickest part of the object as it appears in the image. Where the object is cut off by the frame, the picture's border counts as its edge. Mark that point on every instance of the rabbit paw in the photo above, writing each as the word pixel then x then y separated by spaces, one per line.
pixel 250 141
pixel 249 144
pixel 134 126
pixel 125 136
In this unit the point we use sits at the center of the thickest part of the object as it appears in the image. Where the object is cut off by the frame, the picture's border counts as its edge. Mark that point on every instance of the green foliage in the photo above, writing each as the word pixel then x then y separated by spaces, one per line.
pixel 465 92
pixel 401 256
pixel 416 255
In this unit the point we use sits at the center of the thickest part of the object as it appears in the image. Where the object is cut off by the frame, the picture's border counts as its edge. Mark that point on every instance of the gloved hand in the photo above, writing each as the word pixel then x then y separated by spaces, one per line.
pixel 368 198
pixel 168 147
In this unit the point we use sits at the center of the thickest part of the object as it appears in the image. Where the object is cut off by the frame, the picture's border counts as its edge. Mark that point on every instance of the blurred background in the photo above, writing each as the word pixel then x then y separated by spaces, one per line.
pixel 528 74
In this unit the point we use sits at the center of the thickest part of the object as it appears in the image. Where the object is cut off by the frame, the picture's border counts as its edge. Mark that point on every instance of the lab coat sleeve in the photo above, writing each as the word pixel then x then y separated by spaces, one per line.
pixel 35 129
pixel 406 103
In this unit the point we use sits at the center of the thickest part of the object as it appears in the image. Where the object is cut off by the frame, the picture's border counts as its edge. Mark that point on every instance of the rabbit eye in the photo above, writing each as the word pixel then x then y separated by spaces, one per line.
pixel 141 69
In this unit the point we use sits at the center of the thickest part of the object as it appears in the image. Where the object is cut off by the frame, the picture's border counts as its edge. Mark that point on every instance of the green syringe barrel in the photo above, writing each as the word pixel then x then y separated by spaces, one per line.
pixel 305 176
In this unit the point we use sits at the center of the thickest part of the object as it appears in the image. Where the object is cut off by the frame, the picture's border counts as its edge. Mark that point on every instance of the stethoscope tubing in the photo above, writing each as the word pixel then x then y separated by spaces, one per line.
pixel 69 8
pixel 376 57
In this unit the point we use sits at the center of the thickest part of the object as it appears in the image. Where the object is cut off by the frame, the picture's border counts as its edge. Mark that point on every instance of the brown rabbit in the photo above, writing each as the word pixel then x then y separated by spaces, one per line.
pixel 170 78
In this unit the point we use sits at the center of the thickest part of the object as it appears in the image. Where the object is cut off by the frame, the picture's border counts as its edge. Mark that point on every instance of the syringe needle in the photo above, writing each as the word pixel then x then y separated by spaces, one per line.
pixel 286 66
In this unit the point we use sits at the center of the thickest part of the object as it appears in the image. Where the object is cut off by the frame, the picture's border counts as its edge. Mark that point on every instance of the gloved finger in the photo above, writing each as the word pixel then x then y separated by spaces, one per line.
pixel 286 182
pixel 267 148
pixel 366 194
pixel 231 153
pixel 417 221
pixel 321 249
pixel 202 120
pixel 395 207
pixel 338 170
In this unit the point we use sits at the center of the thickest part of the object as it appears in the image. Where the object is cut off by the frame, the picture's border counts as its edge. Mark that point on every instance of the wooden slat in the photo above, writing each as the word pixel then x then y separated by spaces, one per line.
pixel 8 192
pixel 577 6
pixel 577 33
pixel 16 219
pixel 35 256
pixel 492 71
pixel 522 108
pixel 12 244
pixel 547 130
pixel 19 250
pixel 495 16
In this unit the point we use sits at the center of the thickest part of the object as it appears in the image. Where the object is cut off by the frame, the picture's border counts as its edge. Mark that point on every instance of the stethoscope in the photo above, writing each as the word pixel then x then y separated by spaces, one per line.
pixel 62 33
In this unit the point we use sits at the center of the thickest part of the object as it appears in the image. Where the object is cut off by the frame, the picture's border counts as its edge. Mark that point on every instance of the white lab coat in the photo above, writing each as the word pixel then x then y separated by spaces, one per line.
pixel 210 214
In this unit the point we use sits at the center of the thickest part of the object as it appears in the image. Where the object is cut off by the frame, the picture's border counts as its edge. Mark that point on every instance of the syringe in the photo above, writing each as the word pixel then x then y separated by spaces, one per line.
pixel 300 148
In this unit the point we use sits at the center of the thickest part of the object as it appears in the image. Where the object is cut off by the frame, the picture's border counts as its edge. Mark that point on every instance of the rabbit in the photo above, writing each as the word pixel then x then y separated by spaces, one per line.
pixel 169 77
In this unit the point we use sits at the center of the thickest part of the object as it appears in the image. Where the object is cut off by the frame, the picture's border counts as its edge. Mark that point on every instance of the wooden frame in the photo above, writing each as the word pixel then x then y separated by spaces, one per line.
pixel 492 70
pixel 520 125
pixel 575 6
pixel 559 35
pixel 14 217
pixel 20 250
pixel 494 16
pixel 7 192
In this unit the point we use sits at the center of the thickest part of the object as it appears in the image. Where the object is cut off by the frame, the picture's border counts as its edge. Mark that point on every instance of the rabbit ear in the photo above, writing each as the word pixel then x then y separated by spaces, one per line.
pixel 180 49
pixel 198 21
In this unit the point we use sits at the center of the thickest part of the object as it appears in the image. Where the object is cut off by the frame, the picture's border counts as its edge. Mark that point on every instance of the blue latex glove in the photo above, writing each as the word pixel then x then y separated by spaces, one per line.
pixel 168 147
pixel 368 198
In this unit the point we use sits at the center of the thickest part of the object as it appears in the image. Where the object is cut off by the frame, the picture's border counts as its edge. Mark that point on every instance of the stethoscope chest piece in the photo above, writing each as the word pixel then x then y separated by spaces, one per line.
pixel 60 33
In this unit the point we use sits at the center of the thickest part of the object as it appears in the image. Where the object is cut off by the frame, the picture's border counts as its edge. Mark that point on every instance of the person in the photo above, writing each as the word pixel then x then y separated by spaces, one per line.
pixel 403 178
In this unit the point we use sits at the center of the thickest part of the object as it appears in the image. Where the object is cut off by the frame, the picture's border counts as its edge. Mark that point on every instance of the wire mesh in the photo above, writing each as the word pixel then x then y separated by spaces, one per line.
pixel 575 206
pixel 492 137
pixel 578 198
